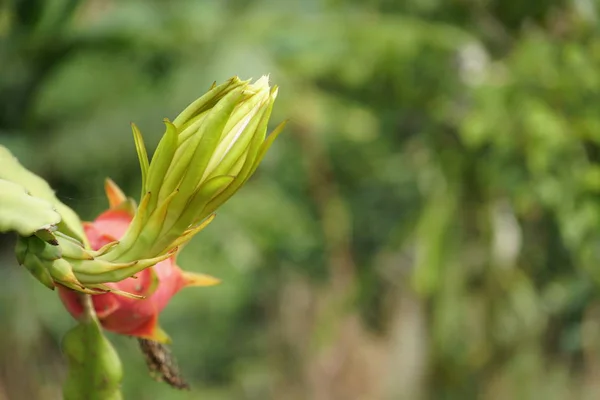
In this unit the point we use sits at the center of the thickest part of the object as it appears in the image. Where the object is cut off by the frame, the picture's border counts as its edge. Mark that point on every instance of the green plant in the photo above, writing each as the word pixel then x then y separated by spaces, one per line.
pixel 119 272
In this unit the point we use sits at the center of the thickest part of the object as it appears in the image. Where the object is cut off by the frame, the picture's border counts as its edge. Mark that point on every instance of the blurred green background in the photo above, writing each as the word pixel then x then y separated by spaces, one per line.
pixel 427 227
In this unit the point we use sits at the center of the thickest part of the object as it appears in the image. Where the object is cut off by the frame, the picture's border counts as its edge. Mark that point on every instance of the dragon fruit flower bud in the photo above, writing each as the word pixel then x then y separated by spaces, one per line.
pixel 206 154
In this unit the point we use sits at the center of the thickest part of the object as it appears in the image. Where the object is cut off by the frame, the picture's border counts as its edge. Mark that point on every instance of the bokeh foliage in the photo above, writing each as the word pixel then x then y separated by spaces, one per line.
pixel 428 226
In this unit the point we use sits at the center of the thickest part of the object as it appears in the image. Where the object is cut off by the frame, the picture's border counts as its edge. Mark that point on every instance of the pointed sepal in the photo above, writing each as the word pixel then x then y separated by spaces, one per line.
pixel 196 279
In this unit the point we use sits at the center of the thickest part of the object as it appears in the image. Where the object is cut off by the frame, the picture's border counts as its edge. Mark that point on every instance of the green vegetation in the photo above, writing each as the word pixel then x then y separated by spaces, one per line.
pixel 426 227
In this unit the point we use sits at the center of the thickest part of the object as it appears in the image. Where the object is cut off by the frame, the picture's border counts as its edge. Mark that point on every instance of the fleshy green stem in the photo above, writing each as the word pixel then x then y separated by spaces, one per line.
pixel 95 371
pixel 89 314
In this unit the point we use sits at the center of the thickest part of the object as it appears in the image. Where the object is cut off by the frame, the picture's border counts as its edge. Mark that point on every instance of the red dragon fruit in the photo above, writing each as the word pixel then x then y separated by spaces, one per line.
pixel 128 315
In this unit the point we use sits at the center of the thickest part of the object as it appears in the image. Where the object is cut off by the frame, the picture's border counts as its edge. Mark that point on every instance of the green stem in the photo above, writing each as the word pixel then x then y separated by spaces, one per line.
pixel 95 371
pixel 89 314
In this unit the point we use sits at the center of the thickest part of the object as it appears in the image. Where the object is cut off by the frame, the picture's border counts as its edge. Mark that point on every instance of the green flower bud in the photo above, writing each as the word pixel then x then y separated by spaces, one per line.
pixel 206 154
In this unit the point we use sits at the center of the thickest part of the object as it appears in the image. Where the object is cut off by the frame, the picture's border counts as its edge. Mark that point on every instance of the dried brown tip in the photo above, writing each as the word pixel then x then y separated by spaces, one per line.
pixel 162 365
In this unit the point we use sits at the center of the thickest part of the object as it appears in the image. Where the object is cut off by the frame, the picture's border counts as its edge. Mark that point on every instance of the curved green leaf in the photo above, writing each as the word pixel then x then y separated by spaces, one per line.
pixel 23 213
pixel 13 171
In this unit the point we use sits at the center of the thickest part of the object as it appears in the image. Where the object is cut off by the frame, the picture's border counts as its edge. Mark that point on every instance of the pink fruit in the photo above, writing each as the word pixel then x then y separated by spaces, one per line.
pixel 124 315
